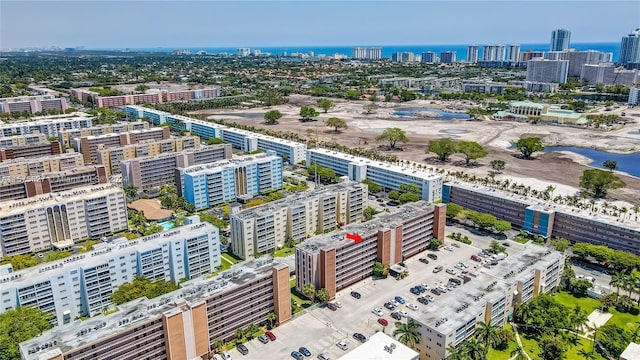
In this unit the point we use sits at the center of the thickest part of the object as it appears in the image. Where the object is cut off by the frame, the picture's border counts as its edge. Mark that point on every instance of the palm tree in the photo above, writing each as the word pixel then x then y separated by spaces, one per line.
pixel 474 349
pixel 217 345
pixel 408 333
pixel 130 191
pixel 578 318
pixel 518 354
pixel 456 353
pixel 271 318
pixel 487 334
pixel 617 281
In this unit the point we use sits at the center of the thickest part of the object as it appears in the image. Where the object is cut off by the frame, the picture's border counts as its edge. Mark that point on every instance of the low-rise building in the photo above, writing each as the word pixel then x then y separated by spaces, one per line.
pixel 22 140
pixel 387 175
pixel 524 110
pixel 47 125
pixel 88 145
pixel 336 260
pixel 10 170
pixel 264 229
pixel 180 325
pixel 154 171
pixel 82 285
pixel 153 97
pixel 29 151
pixel 213 183
pixel 32 104
pixel 488 296
pixel 65 137
pixel 381 346
pixel 58 220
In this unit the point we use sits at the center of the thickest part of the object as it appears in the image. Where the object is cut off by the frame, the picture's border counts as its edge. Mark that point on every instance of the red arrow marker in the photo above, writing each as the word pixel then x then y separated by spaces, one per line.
pixel 355 237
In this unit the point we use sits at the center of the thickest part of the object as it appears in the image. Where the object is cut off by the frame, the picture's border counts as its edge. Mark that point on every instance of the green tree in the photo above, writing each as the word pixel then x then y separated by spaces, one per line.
pixel 336 123
pixel 239 336
pixel 407 333
pixel 18 325
pixel 434 244
pixel 271 117
pixel 380 270
pixel 308 113
pixel 325 104
pixel 139 287
pixel 141 88
pixel 487 334
pixel 561 244
pixel 453 210
pixel 496 248
pixel 352 94
pixel 474 349
pixel 501 226
pixel 20 261
pixel 529 145
pixel 322 295
pixel 610 164
pixel 251 330
pixel 443 148
pixel 271 319
pixel 408 197
pixel 130 191
pixel 393 135
pixel 600 181
pixel 394 195
pixel 552 348
pixel 373 187
pixel 369 213
pixel 497 165
pixel 369 107
pixel 483 220
pixel 471 150
pixel 309 290
pixel 217 345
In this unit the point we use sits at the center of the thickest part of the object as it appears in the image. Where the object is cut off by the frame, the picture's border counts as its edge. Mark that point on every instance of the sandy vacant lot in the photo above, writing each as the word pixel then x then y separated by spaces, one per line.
pixel 560 169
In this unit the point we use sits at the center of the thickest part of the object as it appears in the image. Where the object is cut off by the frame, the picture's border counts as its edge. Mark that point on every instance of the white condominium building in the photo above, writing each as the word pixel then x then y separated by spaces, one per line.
pixel 265 228
pixel 58 220
pixel 82 284
pixel 47 125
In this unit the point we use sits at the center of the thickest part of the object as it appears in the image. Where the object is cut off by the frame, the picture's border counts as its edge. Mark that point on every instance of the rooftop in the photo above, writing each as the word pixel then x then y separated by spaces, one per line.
pixel 379 222
pixel 381 347
pixel 139 131
pixel 631 352
pixel 80 333
pixel 40 158
pixel 80 193
pixel 202 148
pixel 527 104
pixel 151 209
pixel 101 253
pixel 121 123
pixel 229 163
pixel 86 170
pixel 47 120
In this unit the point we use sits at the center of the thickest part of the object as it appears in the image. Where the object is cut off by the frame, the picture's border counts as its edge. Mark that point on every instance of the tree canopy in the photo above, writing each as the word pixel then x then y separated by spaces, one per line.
pixel 471 150
pixel 598 182
pixel 443 148
pixel 498 165
pixel 141 286
pixel 529 145
pixel 610 164
pixel 325 104
pixel 18 325
pixel 393 135
pixel 307 113
pixel 271 117
pixel 336 123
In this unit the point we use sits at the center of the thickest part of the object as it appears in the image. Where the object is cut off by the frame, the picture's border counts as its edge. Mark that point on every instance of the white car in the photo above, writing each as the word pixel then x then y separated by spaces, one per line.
pixel 403 313
pixel 338 304
pixel 448 248
pixel 426 287
pixel 343 345
pixel 377 311
pixel 413 307
pixel 450 271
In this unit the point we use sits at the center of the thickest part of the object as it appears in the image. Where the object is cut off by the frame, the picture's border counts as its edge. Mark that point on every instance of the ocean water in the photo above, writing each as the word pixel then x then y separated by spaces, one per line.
pixel 387 50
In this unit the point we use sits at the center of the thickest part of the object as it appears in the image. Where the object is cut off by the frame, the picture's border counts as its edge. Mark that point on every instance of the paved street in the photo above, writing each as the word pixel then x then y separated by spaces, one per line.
pixel 320 329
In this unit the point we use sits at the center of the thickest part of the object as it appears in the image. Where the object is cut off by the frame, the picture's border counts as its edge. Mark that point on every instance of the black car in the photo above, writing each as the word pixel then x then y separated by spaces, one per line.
pixel 304 351
pixel 332 306
pixel 424 260
pixel 421 288
pixel 243 349
pixel 436 291
pixel 359 337
pixel 415 291
pixel 389 306
pixel 356 294
pixel 432 256
pixel 455 281
pixel 296 355
pixel 396 316
pixel 423 300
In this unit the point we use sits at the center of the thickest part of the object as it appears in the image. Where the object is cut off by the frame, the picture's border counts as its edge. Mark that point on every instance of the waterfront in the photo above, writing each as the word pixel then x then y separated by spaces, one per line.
pixel 628 163
pixel 429 113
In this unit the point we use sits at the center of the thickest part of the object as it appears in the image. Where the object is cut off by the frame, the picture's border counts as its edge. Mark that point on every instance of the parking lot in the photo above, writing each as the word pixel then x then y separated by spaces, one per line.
pixel 321 329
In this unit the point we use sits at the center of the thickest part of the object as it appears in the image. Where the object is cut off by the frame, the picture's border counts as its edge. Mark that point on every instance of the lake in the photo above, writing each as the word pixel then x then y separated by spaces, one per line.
pixel 410 112
pixel 629 163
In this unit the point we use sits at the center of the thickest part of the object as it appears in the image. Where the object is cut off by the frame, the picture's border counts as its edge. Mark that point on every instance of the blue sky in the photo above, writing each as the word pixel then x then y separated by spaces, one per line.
pixel 148 24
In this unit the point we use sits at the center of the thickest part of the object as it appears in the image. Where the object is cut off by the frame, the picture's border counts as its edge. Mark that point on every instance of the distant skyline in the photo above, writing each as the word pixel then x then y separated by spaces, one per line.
pixel 210 24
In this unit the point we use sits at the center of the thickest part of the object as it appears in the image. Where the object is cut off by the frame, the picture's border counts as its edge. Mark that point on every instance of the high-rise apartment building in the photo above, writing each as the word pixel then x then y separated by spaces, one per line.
pixel 29 151
pixel 360 53
pixel 448 57
pixel 577 59
pixel 403 56
pixel 154 171
pixel 514 53
pixel 265 228
pixel 472 54
pixel 630 49
pixel 213 183
pixel 155 97
pixel 529 55
pixel 389 176
pixel 82 284
pixel 184 324
pixel 65 137
pixel 32 104
pixel 110 157
pixel 89 145
pixel 634 96
pixel 58 220
pixel 560 40
pixel 21 167
pixel 493 52
pixel 47 125
pixel 334 261
pixel 429 57
pixel 544 70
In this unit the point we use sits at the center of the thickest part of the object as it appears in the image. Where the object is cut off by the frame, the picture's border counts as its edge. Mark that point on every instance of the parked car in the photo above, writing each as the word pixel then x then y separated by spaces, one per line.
pixel 399 299
pixel 304 351
pixel 450 271
pixel 476 258
pixel 403 313
pixel 338 304
pixel 389 306
pixel 413 307
pixel 343 345
pixel 296 355
pixel 436 291
pixel 448 248
pixel 323 356
pixel 377 311
pixel 356 294
pixel 432 256
pixel 332 306
pixel 425 287
pixel 415 290
pixel 423 300
pixel 263 339
pixel 455 244
pixel 360 337
pixel 242 349
pixel 383 322
pixel 455 281
pixel 396 316
pixel 270 335
pixel 437 269
pixel 424 260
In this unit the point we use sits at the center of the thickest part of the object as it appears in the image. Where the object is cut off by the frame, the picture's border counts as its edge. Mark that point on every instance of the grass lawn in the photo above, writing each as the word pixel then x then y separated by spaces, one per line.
pixel 623 320
pixel 573 353
pixel 530 345
pixel 285 251
pixel 298 298
pixel 522 240
pixel 504 354
pixel 586 303
pixel 232 258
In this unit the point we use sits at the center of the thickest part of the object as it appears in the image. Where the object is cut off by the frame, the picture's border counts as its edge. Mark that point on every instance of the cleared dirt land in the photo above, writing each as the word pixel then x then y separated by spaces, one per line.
pixel 560 169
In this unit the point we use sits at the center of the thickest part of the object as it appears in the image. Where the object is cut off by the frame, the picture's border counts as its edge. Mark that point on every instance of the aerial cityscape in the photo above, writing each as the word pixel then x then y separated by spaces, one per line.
pixel 216 180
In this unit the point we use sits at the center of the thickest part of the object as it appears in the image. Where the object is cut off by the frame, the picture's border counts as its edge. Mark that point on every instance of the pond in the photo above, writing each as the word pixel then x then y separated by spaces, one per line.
pixel 629 163
pixel 442 115
pixel 167 225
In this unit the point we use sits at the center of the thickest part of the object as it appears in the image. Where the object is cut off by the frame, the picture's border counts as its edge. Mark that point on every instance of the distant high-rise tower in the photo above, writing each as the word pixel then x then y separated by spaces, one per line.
pixel 429 57
pixel 472 54
pixel 560 40
pixel 244 51
pixel 448 57
pixel 514 52
pixel 493 53
pixel 630 48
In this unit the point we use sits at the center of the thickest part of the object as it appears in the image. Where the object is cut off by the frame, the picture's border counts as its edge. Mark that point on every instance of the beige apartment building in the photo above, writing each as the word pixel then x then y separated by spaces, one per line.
pixel 265 228
pixel 58 220
pixel 29 151
pixel 182 325
pixel 88 145
pixel 21 167
pixel 110 157
pixel 333 261
pixel 66 136
pixel 22 140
